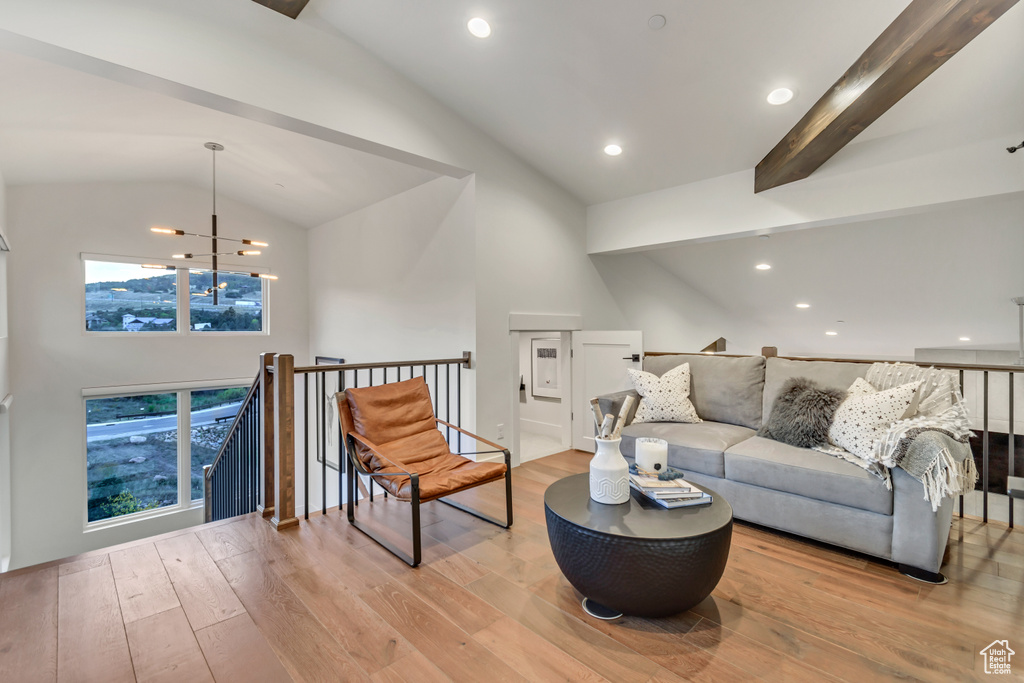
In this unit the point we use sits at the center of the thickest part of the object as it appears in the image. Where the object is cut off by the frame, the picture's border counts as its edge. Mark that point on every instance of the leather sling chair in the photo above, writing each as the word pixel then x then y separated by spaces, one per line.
pixel 392 435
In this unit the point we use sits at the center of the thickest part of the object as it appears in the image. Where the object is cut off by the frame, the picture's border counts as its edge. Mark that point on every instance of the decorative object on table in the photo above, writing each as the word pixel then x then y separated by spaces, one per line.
pixel 215 286
pixel 668 493
pixel 652 454
pixel 547 368
pixel 665 398
pixel 609 473
pixel 802 413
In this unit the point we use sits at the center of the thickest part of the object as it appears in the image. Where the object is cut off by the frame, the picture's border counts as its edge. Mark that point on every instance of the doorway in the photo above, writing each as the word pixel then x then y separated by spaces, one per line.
pixel 542 393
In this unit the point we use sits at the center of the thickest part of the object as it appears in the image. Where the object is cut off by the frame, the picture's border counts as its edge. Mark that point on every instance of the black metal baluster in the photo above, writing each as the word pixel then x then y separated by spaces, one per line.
pixel 305 445
pixel 984 453
pixel 458 405
pixel 1010 452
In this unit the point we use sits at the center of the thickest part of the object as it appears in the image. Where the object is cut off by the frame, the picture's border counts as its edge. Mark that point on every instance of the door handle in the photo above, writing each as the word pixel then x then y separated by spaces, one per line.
pixel 635 358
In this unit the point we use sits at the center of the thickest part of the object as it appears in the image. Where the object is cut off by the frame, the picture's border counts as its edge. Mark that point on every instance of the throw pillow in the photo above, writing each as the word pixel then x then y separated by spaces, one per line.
pixel 864 417
pixel 802 413
pixel 861 386
pixel 665 398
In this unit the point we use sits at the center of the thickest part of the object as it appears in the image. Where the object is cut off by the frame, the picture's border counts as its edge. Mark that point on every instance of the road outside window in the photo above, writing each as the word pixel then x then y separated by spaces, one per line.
pixel 132 454
pixel 213 411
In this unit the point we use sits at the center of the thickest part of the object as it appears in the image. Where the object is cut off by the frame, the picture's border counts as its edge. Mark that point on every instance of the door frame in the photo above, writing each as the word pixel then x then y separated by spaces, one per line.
pixel 564 325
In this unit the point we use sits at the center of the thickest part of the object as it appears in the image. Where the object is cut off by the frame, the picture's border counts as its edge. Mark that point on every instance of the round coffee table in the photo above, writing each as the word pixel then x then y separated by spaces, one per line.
pixel 636 558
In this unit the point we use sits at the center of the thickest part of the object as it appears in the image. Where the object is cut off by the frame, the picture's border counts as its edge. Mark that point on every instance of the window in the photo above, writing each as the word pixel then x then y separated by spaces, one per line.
pixel 147 451
pixel 132 454
pixel 125 297
pixel 130 297
pixel 238 307
pixel 213 411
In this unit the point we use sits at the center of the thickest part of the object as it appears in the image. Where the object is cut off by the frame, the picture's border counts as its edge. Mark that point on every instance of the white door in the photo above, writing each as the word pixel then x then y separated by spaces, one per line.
pixel 599 362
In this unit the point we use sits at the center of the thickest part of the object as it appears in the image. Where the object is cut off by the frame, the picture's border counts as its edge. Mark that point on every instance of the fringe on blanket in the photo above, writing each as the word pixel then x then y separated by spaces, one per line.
pixel 947 478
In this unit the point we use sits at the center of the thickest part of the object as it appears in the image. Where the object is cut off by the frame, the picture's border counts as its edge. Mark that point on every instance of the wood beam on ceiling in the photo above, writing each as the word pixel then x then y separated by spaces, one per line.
pixel 919 41
pixel 289 8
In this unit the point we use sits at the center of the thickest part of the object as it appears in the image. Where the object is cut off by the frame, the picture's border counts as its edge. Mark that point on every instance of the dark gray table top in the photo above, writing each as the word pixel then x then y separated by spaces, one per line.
pixel 569 498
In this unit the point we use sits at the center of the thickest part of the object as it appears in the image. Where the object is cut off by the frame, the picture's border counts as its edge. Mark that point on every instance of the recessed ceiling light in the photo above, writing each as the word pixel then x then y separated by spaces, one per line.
pixel 656 22
pixel 780 96
pixel 613 150
pixel 831 333
pixel 763 266
pixel 803 305
pixel 965 339
pixel 479 27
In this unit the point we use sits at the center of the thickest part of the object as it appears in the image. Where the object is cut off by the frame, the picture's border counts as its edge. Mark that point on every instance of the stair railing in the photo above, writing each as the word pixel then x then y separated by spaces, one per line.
pixel 231 483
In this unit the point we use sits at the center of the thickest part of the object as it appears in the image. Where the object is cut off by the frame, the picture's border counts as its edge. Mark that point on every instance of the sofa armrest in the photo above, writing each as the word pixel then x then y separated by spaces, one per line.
pixel 612 403
pixel 919 536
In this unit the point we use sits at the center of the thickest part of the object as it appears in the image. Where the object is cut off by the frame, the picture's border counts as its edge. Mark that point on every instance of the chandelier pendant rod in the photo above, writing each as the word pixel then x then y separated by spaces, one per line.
pixel 214 148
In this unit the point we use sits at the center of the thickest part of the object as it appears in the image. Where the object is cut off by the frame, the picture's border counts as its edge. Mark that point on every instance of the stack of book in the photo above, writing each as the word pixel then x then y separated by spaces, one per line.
pixel 671 493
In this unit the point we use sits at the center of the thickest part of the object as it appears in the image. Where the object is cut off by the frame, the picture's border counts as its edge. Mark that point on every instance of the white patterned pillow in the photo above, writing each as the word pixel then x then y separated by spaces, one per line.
pixel 866 415
pixel 665 398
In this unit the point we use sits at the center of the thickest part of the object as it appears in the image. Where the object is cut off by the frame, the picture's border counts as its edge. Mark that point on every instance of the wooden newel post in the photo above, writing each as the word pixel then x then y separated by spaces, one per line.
pixel 265 506
pixel 284 442
pixel 207 495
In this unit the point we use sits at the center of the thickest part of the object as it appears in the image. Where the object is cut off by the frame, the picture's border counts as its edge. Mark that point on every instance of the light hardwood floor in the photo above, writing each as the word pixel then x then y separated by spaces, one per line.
pixel 237 601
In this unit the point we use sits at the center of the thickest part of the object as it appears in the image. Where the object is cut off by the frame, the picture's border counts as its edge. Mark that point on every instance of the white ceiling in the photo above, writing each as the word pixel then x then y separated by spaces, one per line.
pixel 556 81
pixel 897 284
pixel 59 125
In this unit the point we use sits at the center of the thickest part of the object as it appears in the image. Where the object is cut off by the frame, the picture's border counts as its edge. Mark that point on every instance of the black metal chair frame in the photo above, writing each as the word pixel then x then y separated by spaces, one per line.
pixel 357 468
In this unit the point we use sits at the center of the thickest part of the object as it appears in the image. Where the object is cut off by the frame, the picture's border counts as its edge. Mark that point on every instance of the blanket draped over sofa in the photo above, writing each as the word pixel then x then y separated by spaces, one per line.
pixel 933 446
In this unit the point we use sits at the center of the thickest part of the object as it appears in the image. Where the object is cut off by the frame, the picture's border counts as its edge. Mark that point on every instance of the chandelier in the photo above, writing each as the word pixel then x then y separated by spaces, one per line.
pixel 215 287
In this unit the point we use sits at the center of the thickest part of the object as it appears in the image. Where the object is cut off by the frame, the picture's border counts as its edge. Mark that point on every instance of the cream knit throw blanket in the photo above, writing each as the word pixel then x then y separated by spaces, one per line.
pixel 933 446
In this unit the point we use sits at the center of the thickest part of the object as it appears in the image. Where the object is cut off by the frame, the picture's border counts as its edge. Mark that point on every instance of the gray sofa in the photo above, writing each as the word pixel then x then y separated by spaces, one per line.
pixel 797 490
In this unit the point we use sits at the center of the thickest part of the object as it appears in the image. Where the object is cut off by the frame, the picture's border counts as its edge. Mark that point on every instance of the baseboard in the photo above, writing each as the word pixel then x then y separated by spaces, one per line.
pixel 542 428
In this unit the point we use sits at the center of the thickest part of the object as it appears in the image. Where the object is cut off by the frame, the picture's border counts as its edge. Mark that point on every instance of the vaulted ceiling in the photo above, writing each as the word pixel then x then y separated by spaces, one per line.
pixel 557 81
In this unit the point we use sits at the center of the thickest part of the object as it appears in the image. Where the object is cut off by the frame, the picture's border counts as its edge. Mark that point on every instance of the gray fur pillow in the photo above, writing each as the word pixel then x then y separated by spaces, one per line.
pixel 802 413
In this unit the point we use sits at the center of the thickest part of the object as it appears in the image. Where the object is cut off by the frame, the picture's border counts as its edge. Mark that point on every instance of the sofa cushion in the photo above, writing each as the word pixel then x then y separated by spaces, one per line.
pixel 721 389
pixel 832 374
pixel 691 447
pixel 781 467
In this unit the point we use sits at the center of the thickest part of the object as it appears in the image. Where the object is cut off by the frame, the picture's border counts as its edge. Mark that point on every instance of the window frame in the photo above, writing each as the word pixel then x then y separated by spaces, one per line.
pixel 183 392
pixel 183 299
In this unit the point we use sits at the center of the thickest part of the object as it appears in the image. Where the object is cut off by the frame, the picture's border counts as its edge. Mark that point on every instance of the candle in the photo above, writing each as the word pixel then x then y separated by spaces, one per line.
pixel 652 454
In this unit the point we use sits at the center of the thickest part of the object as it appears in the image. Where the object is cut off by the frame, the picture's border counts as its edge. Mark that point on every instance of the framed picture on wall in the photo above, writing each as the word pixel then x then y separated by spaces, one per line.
pixel 547 368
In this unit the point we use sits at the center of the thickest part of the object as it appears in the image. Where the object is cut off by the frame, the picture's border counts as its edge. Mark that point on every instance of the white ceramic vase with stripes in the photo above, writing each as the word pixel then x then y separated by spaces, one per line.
pixel 609 473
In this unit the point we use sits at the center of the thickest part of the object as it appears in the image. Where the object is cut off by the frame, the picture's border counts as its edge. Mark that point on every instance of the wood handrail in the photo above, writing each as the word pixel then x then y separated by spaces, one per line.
pixel 940 366
pixel 234 423
pixel 465 361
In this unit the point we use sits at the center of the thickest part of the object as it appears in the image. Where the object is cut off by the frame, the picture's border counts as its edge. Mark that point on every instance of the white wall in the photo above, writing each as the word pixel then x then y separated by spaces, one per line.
pixel 530 234
pixel 54 359
pixel 395 281
pixel 5 426
pixel 673 315
pixel 540 415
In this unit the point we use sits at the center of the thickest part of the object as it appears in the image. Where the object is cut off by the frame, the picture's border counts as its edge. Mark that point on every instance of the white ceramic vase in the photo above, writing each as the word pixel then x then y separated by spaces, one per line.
pixel 609 473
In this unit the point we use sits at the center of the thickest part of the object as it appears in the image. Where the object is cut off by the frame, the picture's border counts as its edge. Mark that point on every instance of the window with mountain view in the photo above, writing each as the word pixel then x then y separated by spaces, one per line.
pixel 125 297
pixel 238 307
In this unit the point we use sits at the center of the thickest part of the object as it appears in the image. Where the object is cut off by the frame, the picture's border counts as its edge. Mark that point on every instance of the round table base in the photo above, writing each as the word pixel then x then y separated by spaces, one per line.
pixel 599 611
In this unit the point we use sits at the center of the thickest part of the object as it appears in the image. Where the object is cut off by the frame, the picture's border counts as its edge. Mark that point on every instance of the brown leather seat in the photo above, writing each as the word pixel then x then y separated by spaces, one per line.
pixel 392 434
